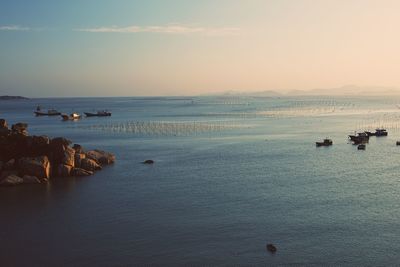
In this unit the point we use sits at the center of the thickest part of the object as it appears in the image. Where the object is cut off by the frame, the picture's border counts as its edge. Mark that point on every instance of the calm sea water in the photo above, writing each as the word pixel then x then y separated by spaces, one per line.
pixel 231 175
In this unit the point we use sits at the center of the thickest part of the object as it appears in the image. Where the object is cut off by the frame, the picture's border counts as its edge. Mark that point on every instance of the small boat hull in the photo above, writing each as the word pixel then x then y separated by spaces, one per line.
pixel 98 114
pixel 39 113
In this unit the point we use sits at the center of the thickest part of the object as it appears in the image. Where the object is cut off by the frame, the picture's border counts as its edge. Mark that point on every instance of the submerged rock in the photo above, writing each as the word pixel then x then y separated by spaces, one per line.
pixel 11 179
pixel 64 170
pixel 80 172
pixel 271 248
pixel 27 179
pixel 90 165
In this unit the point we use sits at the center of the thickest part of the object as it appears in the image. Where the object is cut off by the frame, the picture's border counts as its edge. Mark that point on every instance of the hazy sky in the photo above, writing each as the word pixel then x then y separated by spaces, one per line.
pixel 183 47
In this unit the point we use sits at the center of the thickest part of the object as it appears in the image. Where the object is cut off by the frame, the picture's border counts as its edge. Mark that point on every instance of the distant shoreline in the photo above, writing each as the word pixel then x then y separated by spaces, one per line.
pixel 10 97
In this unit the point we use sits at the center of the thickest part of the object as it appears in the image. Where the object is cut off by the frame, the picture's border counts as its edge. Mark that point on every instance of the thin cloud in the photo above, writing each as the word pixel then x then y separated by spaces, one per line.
pixel 168 29
pixel 13 28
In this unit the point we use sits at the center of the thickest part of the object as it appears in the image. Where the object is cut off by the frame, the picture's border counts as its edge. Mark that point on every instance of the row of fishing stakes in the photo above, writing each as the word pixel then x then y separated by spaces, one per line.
pixel 164 128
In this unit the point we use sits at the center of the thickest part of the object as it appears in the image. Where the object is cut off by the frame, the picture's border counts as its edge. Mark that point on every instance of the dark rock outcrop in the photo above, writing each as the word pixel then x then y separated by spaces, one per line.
pixel 38 158
pixel 38 166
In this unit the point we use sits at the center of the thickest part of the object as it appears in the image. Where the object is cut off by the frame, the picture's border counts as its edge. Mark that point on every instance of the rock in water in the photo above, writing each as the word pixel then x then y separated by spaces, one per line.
pixel 30 179
pixel 78 159
pixel 148 161
pixel 80 172
pixel 68 159
pixel 90 165
pixel 271 248
pixel 64 170
pixel 78 148
pixel 102 157
pixel 11 179
pixel 37 166
pixel 3 123
pixel 20 128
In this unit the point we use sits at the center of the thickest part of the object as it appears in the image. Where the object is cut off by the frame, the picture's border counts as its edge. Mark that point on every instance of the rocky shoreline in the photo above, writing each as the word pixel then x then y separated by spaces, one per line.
pixel 26 159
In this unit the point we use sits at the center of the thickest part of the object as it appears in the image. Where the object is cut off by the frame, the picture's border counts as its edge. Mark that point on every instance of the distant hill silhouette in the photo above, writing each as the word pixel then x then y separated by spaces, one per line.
pixel 10 97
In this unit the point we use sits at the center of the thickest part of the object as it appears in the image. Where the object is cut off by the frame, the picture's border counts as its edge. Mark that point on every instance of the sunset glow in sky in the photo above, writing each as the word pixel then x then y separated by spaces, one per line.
pixel 183 47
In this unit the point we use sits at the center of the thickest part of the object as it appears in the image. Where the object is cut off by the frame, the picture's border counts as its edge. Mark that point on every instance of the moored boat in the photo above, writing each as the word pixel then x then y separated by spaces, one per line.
pixel 100 113
pixel 381 132
pixel 50 112
pixel 359 138
pixel 361 147
pixel 326 142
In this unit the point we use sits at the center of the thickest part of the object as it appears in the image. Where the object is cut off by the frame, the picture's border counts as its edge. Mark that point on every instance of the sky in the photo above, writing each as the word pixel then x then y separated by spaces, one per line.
pixel 187 47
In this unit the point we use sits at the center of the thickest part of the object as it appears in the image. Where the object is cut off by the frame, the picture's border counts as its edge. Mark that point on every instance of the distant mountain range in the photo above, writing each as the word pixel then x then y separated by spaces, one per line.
pixel 10 97
pixel 348 90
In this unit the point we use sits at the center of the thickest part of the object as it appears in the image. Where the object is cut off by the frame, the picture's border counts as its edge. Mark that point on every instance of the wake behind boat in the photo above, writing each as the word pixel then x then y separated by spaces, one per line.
pixel 100 113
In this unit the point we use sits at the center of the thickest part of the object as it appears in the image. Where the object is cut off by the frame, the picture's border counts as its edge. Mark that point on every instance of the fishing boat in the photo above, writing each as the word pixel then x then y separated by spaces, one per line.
pixel 100 113
pixel 381 132
pixel 359 138
pixel 361 147
pixel 50 112
pixel 72 116
pixel 326 142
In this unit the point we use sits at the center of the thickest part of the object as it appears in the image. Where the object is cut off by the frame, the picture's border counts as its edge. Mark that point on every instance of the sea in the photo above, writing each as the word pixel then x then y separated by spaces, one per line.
pixel 231 175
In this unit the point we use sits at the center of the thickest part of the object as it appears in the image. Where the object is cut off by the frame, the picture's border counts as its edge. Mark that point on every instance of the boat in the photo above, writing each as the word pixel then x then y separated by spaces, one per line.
pixel 361 147
pixel 50 112
pixel 72 116
pixel 100 113
pixel 326 142
pixel 359 138
pixel 398 143
pixel 381 132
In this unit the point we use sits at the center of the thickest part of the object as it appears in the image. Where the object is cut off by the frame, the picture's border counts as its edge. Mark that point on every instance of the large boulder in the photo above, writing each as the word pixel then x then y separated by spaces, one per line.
pixel 3 123
pixel 69 156
pixel 27 179
pixel 35 166
pixel 56 149
pixel 11 179
pixel 80 172
pixel 102 157
pixel 20 128
pixel 78 148
pixel 78 159
pixel 64 170
pixel 90 165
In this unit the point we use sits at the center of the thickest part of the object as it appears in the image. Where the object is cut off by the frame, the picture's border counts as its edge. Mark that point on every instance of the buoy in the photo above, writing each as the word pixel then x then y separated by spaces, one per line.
pixel 271 248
